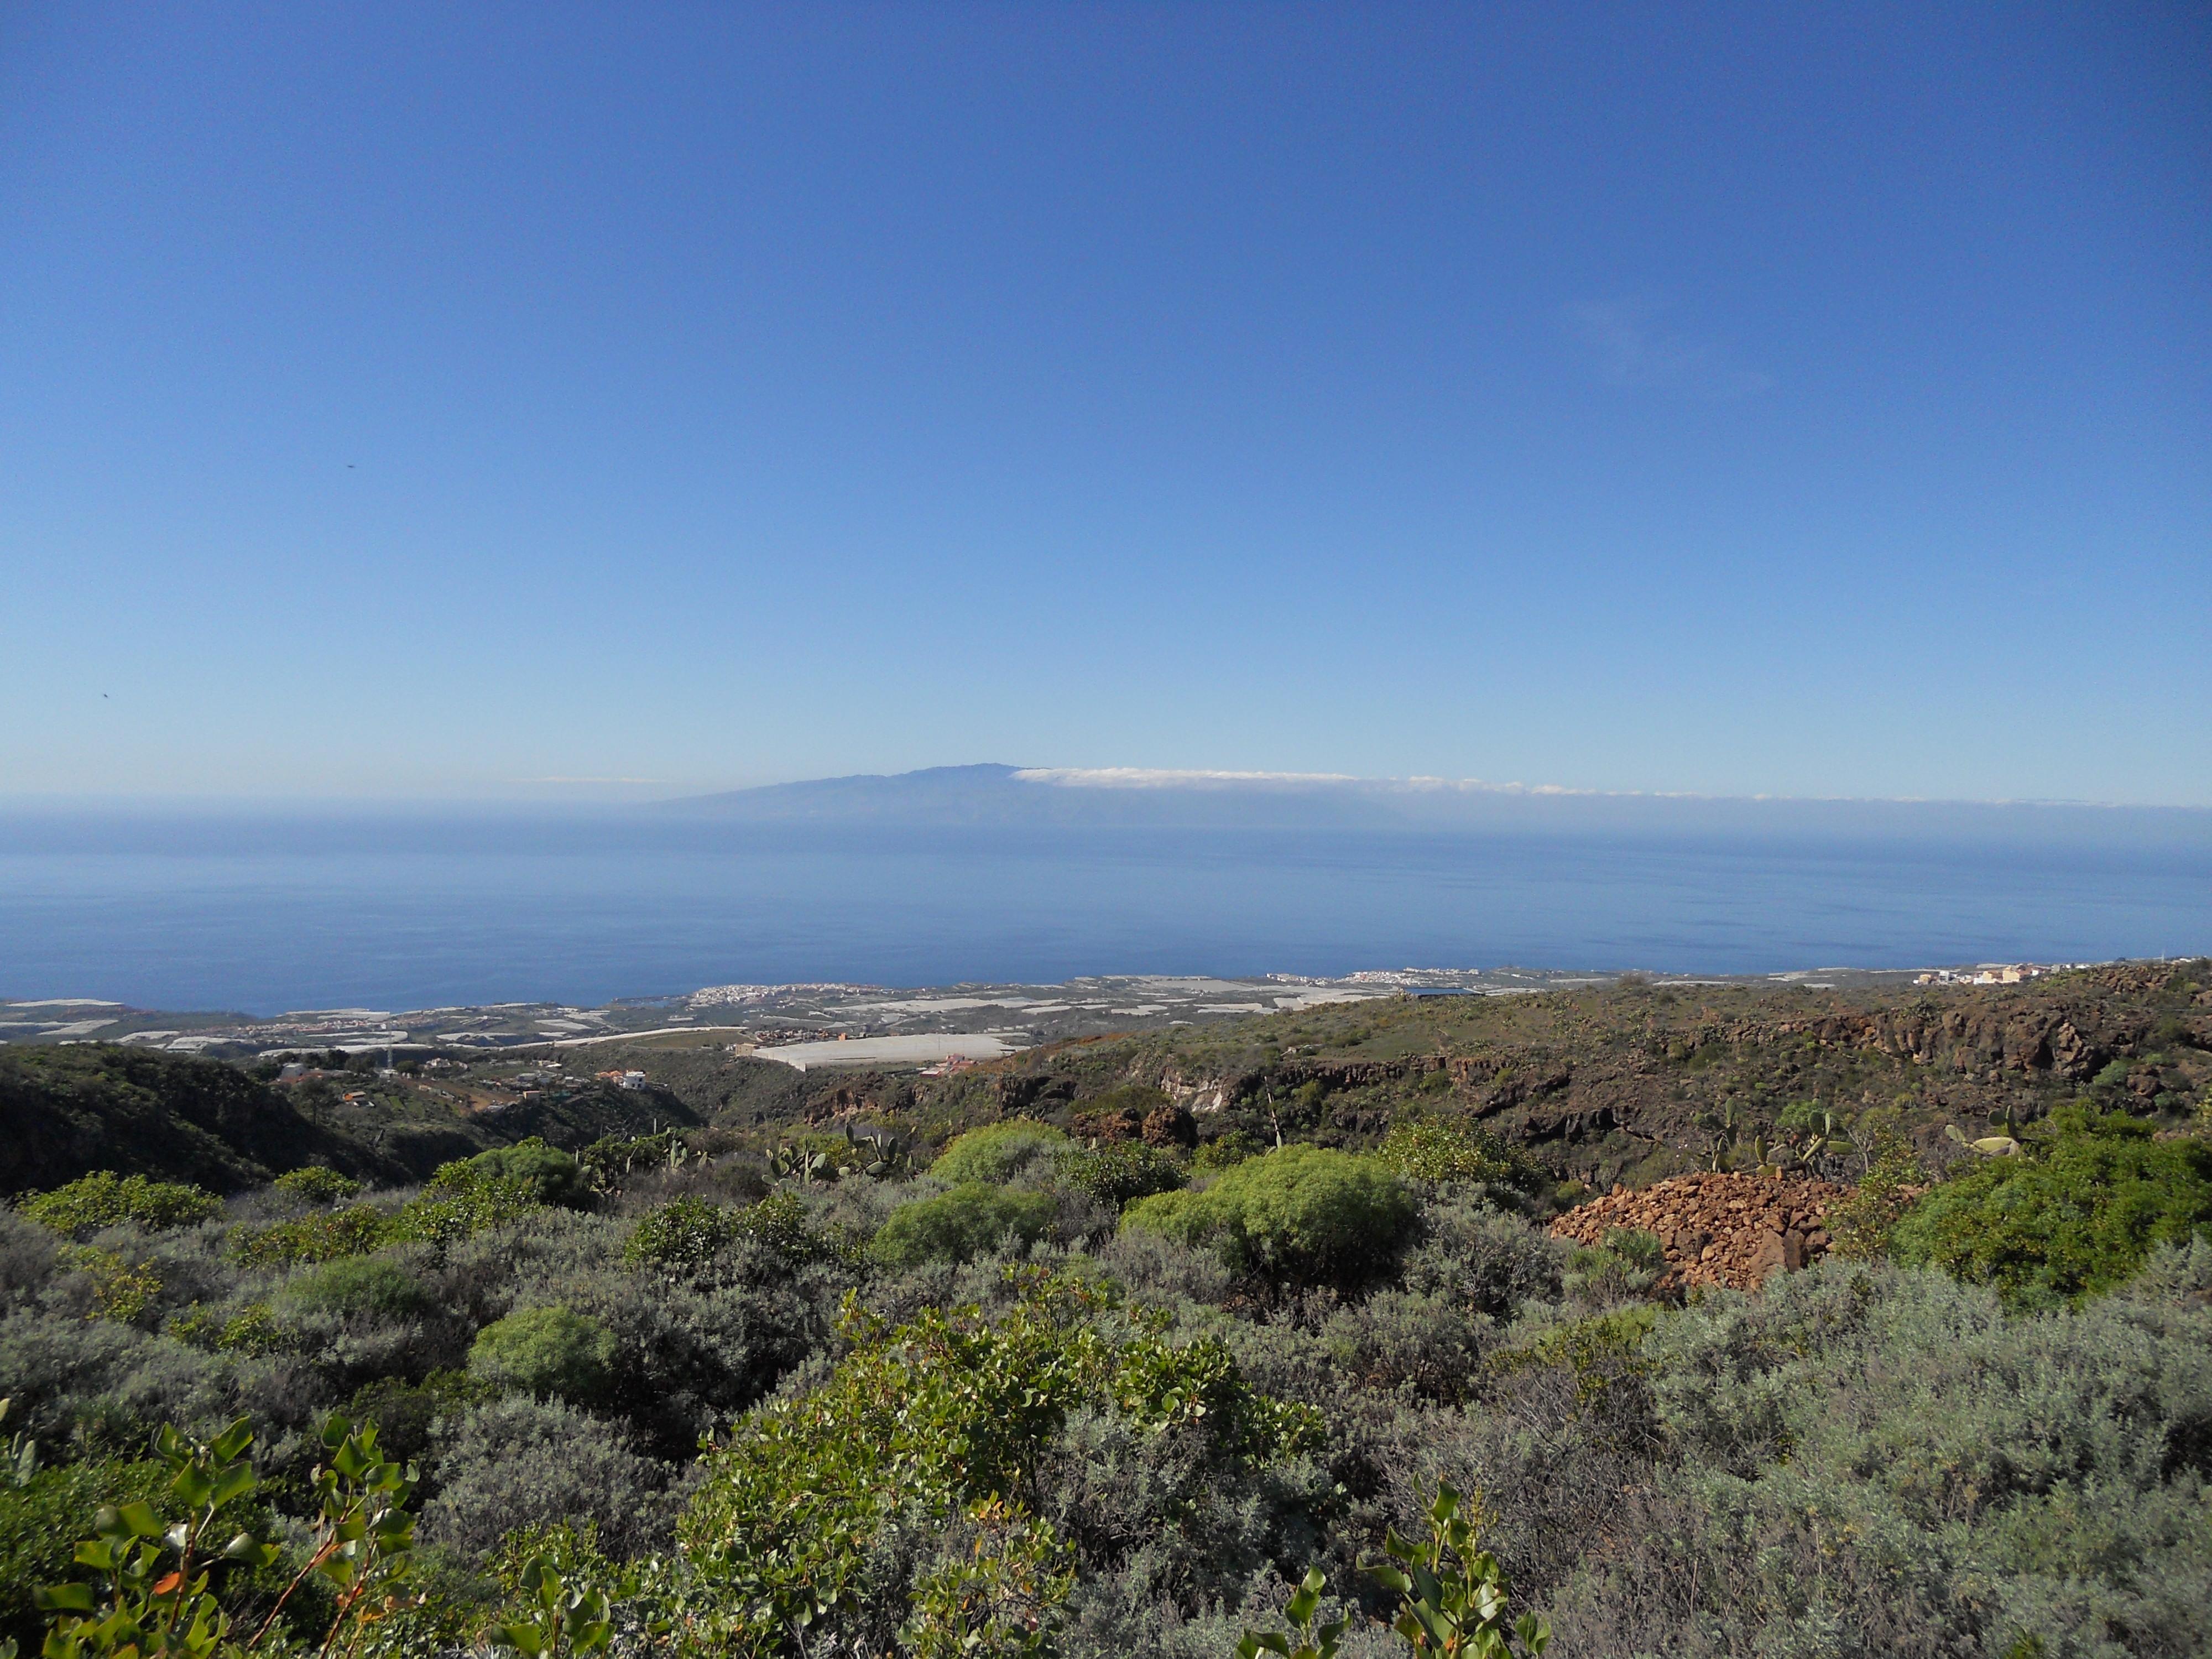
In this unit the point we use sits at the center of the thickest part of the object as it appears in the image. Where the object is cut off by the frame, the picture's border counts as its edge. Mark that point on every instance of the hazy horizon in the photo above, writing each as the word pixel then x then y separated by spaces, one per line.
pixel 616 794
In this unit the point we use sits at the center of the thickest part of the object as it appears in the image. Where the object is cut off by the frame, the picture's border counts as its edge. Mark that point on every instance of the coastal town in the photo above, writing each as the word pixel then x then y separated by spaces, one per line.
pixel 821 1023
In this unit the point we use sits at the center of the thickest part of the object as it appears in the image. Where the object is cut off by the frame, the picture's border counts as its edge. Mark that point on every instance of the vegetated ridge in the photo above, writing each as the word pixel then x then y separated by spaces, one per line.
pixel 1184 1343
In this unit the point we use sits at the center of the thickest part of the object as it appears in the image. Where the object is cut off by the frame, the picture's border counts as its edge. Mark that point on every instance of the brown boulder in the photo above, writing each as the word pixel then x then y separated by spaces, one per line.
pixel 1733 1229
pixel 1170 1126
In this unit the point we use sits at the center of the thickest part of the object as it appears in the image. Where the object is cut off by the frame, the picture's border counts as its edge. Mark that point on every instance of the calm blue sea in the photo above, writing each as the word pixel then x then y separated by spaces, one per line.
pixel 265 914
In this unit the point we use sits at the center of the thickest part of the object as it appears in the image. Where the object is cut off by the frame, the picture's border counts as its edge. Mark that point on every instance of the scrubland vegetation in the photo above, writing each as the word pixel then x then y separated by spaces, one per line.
pixel 1035 1390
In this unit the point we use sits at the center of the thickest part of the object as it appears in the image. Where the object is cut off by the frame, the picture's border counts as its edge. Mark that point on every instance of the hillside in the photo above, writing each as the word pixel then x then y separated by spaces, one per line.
pixel 1625 1081
pixel 1629 1081
pixel 94 1106
pixel 81 1106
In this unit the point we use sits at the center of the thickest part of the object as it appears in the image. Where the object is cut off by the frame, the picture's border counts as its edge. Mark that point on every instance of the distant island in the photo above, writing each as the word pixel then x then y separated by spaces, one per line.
pixel 1133 797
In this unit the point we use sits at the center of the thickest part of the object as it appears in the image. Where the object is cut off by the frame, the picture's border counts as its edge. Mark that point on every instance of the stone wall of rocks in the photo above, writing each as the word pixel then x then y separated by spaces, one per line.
pixel 1731 1228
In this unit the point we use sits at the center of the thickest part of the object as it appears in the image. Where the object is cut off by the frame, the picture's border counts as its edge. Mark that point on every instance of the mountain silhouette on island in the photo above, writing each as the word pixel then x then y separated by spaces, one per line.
pixel 997 795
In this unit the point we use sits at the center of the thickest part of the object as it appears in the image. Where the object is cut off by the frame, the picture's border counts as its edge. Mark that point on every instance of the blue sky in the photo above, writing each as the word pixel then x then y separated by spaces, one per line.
pixel 438 400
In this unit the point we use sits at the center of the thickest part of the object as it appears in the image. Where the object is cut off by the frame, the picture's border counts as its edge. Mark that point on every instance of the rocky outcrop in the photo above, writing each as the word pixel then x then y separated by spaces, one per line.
pixel 1169 1126
pixel 1717 1229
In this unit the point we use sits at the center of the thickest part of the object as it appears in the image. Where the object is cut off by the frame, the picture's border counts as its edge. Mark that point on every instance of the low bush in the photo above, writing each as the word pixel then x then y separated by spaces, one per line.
pixel 1626 1263
pixel 940 1425
pixel 316 1185
pixel 519 1463
pixel 359 1286
pixel 1860 1225
pixel 104 1199
pixel 1873 1459
pixel 530 1168
pixel 28 1256
pixel 2075 1215
pixel 1434 1150
pixel 1119 1172
pixel 1482 1258
pixel 327 1236
pixel 122 1289
pixel 41 1521
pixel 962 1224
pixel 1300 1214
pixel 551 1351
pixel 684 1235
pixel 998 1151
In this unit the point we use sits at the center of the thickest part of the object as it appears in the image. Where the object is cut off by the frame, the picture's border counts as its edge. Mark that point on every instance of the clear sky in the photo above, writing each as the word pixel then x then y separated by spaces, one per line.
pixel 439 400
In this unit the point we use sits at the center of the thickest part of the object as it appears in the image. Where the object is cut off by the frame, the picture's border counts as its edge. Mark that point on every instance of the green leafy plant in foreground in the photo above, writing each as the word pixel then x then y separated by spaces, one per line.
pixel 997 1598
pixel 562 1618
pixel 1452 1591
pixel 947 1417
pixel 149 1592
pixel 1309 1637
pixel 1452 1594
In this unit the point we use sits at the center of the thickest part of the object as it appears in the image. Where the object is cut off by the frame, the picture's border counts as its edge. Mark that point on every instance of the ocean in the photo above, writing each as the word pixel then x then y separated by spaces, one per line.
pixel 262 914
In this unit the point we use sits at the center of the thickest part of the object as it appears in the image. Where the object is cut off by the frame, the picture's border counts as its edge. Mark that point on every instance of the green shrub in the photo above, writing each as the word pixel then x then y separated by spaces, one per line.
pixel 104 1199
pixel 1300 1214
pixel 944 1421
pixel 1860 1225
pixel 530 1169
pixel 1628 1263
pixel 1224 1149
pixel 359 1284
pixel 146 1573
pixel 778 1222
pixel 518 1462
pixel 1433 1151
pixel 2073 1216
pixel 1120 1171
pixel 42 1520
pixel 962 1224
pixel 546 1351
pixel 685 1235
pixel 329 1235
pixel 316 1185
pixel 253 1330
pixel 122 1289
pixel 997 1152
